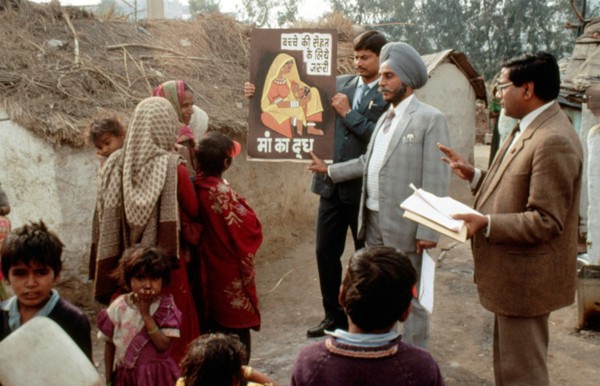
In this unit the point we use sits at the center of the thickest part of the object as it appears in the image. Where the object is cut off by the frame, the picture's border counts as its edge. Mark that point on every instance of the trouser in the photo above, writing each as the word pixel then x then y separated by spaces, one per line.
pixel 521 350
pixel 333 220
pixel 416 326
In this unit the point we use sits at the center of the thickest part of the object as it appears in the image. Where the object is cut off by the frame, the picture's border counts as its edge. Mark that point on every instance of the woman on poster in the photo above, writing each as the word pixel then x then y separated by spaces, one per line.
pixel 287 102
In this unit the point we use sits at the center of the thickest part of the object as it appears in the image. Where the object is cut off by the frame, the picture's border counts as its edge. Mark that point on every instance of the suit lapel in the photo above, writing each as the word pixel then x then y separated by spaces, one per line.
pixel 400 128
pixel 350 89
pixel 494 176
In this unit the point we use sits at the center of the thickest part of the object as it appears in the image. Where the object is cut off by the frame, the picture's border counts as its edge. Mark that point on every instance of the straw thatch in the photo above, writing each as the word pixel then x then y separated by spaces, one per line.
pixel 60 65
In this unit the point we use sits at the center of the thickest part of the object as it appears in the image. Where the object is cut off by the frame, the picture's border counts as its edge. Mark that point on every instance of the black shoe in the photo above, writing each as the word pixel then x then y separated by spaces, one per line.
pixel 326 324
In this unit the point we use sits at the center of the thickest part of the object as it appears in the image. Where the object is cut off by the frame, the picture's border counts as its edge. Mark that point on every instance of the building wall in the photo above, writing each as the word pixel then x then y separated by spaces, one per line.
pixel 450 91
pixel 53 184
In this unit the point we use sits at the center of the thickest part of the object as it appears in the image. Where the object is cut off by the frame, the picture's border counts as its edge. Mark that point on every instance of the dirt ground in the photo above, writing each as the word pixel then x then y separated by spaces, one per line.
pixel 461 330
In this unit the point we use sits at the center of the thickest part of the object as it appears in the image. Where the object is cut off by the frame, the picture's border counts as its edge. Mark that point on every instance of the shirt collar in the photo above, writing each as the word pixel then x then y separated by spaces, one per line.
pixel 14 317
pixel 361 83
pixel 364 340
pixel 402 106
pixel 527 119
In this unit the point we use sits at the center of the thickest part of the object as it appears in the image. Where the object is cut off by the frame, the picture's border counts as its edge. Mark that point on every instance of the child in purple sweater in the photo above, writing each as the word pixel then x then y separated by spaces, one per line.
pixel 375 294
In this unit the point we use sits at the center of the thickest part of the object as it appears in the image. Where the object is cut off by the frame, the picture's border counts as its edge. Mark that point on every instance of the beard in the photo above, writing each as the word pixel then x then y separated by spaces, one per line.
pixel 398 95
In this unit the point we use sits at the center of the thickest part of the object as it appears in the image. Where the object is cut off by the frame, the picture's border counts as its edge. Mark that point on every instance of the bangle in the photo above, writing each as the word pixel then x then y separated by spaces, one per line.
pixel 248 372
pixel 348 112
pixel 153 331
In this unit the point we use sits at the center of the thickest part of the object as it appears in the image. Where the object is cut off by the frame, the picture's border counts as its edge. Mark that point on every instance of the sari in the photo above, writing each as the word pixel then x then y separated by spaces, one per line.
pixel 278 89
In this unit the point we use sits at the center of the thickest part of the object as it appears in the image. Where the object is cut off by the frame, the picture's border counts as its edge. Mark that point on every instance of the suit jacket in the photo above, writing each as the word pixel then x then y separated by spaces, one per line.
pixel 527 266
pixel 352 135
pixel 412 157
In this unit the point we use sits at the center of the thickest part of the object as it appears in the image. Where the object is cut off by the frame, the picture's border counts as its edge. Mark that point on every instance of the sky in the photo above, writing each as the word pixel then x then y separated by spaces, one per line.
pixel 308 9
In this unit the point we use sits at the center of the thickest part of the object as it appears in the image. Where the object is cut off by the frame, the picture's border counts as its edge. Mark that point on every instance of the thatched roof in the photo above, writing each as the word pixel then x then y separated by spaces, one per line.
pixel 460 60
pixel 60 65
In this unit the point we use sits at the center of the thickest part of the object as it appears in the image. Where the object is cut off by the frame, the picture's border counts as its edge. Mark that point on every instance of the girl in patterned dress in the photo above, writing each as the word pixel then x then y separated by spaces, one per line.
pixel 229 241
pixel 139 326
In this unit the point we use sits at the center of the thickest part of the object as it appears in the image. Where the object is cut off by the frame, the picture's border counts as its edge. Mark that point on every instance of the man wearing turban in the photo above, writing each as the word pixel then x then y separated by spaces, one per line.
pixel 402 151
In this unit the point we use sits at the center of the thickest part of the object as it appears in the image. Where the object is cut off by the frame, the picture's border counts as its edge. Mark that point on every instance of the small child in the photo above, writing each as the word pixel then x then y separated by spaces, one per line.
pixel 138 327
pixel 31 265
pixel 376 293
pixel 107 134
pixel 4 203
pixel 229 241
pixel 4 230
pixel 216 360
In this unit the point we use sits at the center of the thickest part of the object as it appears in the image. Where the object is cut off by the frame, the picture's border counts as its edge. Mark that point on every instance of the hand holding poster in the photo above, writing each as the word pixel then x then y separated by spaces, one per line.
pixel 294 76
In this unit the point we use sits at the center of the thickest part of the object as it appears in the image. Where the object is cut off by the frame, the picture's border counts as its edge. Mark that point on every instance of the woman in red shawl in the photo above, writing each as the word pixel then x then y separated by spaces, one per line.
pixel 229 241
pixel 182 99
pixel 143 189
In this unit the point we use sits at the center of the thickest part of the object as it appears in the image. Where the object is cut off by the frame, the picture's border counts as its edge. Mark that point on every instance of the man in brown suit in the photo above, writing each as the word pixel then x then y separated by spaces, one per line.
pixel 525 242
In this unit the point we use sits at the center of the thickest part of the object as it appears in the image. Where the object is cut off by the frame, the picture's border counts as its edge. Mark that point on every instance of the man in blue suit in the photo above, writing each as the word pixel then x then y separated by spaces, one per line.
pixel 358 105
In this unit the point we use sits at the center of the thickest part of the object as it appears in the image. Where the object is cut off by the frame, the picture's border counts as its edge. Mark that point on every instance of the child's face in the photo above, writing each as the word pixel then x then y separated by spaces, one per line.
pixel 32 283
pixel 145 285
pixel 108 143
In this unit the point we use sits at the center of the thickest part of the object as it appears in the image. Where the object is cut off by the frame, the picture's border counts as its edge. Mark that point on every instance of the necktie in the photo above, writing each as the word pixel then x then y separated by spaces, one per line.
pixel 506 145
pixel 361 95
pixel 389 117
pixel 511 140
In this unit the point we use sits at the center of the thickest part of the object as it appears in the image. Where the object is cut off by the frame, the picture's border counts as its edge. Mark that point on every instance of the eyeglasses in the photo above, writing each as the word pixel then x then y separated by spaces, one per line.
pixel 501 86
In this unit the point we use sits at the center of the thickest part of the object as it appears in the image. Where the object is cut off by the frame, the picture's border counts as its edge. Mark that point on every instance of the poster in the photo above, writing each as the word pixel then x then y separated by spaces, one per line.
pixel 294 73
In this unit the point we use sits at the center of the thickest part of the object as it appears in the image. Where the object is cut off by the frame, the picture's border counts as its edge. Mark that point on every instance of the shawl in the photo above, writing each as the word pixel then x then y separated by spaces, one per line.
pixel 229 242
pixel 293 77
pixel 173 91
pixel 137 193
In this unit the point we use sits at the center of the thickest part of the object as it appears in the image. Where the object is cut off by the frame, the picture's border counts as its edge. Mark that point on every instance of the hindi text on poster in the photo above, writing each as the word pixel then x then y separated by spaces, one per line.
pixel 290 112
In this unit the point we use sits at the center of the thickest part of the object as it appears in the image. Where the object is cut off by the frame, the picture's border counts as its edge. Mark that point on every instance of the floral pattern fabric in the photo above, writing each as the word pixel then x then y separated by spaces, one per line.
pixel 230 239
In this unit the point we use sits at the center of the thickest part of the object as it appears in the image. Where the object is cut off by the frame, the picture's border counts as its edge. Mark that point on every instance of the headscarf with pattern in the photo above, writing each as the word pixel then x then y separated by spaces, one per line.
pixel 174 92
pixel 147 148
pixel 137 193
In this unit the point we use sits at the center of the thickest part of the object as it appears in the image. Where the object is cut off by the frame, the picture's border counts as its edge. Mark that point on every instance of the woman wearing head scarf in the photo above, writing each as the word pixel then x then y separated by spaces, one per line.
pixel 287 102
pixel 182 99
pixel 143 187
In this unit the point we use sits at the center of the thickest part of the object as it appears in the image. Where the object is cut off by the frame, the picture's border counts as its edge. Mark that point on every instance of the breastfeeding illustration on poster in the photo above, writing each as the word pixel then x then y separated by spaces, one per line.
pixel 294 74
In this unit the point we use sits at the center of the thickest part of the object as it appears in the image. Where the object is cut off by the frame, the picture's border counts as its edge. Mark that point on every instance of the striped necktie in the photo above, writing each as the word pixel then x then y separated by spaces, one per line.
pixel 389 117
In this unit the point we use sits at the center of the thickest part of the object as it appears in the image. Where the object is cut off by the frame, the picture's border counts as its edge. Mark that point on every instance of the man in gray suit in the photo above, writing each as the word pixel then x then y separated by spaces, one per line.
pixel 358 106
pixel 402 151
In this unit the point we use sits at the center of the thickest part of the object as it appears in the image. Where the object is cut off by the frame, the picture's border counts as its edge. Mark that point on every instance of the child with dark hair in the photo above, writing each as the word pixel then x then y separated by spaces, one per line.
pixel 228 244
pixel 138 327
pixel 4 230
pixel 376 293
pixel 107 134
pixel 31 265
pixel 217 360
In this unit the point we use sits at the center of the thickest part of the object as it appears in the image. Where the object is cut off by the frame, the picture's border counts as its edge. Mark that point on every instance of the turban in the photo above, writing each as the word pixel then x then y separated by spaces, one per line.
pixel 406 62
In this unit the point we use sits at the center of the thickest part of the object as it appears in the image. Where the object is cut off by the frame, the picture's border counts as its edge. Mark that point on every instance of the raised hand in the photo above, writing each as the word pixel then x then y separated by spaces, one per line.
pixel 459 165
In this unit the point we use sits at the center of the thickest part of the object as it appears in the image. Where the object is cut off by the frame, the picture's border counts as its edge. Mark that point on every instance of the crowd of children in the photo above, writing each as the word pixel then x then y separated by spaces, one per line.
pixel 173 259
